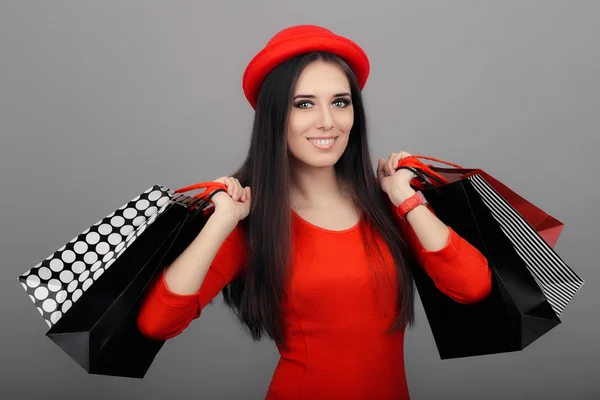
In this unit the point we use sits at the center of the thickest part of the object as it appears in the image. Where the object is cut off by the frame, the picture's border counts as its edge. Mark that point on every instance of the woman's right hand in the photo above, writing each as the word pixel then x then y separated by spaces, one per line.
pixel 235 203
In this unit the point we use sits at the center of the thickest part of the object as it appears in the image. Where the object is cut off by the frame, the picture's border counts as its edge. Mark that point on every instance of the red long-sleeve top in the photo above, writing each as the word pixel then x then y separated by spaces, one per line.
pixel 334 314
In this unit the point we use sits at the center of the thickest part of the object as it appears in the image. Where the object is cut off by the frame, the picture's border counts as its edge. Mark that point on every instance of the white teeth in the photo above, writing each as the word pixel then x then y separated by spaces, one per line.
pixel 323 142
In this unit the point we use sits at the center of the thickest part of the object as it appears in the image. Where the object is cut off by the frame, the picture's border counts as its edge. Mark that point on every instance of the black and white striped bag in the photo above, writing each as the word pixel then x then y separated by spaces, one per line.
pixel 557 280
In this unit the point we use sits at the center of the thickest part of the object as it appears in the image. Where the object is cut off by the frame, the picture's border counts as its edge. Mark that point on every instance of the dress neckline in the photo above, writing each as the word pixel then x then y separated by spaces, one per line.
pixel 319 228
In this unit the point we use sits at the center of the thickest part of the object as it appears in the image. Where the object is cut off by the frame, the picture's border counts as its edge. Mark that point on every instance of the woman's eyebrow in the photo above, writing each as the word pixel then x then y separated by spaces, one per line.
pixel 310 96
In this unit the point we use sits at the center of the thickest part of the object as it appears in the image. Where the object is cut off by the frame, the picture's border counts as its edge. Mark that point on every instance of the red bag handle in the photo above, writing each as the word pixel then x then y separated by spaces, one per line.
pixel 422 171
pixel 211 188
pixel 439 161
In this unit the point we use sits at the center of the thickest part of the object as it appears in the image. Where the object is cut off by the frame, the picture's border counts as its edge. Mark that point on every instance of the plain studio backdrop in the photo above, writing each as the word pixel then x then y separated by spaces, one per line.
pixel 99 100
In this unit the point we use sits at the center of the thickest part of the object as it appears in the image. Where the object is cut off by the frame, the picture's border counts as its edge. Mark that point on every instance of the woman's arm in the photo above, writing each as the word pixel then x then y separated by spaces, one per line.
pixel 179 293
pixel 457 268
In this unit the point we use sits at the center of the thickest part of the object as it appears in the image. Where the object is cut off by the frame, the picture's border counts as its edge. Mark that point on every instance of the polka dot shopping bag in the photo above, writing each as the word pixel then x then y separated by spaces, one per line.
pixel 88 291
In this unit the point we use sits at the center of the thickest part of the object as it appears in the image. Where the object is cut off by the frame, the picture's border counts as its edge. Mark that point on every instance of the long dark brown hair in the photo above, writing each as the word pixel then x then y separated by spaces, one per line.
pixel 255 295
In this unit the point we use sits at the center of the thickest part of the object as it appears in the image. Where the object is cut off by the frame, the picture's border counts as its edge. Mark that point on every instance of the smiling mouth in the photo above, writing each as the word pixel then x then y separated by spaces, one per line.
pixel 322 143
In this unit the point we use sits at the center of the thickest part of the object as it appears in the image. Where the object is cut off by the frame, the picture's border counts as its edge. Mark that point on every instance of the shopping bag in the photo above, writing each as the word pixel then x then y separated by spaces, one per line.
pixel 531 284
pixel 89 290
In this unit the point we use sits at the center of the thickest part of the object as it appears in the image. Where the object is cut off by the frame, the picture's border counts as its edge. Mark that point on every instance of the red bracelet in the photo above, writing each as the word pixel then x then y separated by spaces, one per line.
pixel 410 204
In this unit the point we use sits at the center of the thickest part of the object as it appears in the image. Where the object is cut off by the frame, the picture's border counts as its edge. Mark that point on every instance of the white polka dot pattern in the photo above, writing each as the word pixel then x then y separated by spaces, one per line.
pixel 56 283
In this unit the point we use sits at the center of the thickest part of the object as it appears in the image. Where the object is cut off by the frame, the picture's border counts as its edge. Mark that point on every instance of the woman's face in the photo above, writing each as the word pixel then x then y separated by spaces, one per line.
pixel 321 115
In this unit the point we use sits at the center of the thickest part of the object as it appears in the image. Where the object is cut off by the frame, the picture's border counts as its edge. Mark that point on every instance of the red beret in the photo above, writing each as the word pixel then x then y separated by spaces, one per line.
pixel 296 40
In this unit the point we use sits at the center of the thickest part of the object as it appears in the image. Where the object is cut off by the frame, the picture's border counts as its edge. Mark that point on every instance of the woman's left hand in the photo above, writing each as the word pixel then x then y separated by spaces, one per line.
pixel 395 183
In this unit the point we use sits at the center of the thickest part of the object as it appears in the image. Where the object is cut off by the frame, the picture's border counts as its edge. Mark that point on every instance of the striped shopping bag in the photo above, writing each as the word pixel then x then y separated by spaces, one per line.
pixel 531 284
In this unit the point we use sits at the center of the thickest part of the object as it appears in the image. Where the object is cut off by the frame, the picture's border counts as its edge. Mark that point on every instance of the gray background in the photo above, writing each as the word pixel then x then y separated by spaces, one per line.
pixel 101 99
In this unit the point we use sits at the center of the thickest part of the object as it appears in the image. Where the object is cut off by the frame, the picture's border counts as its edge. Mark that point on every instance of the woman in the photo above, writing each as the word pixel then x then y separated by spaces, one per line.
pixel 308 245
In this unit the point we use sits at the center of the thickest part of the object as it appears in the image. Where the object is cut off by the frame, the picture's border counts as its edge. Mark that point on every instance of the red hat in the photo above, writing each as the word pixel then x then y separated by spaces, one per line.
pixel 296 40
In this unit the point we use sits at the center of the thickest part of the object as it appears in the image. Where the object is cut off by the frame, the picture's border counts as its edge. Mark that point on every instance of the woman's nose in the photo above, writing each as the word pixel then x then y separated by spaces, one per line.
pixel 325 119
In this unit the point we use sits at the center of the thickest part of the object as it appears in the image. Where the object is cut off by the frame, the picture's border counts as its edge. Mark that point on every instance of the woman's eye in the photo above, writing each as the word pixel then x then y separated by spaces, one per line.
pixel 302 104
pixel 338 103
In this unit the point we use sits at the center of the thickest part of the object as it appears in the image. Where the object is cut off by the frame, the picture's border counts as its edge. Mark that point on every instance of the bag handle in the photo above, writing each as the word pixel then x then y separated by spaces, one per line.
pixel 413 164
pixel 211 188
pixel 438 160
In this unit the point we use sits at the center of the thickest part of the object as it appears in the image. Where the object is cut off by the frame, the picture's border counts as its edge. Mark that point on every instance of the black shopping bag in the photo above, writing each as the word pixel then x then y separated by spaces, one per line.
pixel 89 291
pixel 531 284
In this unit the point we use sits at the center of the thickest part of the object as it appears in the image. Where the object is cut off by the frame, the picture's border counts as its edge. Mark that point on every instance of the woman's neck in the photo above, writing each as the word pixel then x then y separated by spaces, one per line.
pixel 314 187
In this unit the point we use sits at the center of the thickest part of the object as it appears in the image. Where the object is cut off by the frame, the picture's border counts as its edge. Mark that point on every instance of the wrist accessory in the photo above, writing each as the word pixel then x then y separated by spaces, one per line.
pixel 410 204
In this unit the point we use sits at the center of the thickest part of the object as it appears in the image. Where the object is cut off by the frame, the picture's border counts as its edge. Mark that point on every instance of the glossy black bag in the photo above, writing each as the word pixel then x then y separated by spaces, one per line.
pixel 531 285
pixel 89 291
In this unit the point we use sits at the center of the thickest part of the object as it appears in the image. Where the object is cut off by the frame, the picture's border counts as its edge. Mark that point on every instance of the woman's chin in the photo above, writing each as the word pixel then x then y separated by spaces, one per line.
pixel 321 162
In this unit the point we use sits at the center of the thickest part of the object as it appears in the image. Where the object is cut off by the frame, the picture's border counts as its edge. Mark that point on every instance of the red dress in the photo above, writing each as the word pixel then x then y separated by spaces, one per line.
pixel 335 315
